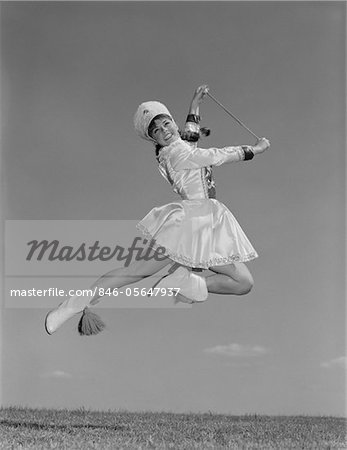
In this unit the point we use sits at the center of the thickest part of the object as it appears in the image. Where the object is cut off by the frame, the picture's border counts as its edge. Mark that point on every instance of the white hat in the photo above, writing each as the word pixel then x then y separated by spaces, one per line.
pixel 145 114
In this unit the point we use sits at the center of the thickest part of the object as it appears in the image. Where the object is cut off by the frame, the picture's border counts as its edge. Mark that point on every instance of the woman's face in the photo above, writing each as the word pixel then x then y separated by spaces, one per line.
pixel 165 131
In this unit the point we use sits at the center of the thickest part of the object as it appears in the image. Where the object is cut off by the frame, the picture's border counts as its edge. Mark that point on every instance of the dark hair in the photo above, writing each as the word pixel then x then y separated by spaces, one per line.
pixel 151 127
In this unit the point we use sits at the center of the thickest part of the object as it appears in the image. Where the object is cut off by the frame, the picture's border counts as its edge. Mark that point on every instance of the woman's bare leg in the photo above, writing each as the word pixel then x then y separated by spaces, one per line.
pixel 233 279
pixel 113 279
pixel 136 271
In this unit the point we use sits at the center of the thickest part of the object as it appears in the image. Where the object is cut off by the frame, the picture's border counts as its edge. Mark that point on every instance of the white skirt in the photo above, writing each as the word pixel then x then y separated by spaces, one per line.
pixel 197 233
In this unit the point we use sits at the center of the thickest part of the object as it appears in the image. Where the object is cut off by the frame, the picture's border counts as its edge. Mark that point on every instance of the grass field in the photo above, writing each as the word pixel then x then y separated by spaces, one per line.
pixel 83 429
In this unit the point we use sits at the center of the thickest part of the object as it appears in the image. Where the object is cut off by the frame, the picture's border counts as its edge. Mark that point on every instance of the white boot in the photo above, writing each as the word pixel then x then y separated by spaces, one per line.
pixel 65 311
pixel 192 287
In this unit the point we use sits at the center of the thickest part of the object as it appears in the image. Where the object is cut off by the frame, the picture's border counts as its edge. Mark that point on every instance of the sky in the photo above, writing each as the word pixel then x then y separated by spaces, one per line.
pixel 72 76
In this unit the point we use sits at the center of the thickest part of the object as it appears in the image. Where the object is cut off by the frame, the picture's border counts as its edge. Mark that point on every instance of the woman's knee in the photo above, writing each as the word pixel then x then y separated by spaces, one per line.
pixel 241 280
pixel 244 280
pixel 246 284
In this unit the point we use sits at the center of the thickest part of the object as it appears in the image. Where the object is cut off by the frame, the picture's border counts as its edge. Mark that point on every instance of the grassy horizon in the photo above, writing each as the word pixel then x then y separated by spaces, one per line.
pixel 32 428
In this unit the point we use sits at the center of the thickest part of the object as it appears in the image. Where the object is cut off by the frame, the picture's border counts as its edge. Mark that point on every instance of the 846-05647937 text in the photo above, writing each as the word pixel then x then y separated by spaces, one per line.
pixel 136 292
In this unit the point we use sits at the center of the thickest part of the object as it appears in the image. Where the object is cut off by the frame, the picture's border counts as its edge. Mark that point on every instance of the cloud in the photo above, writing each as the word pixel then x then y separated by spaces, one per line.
pixel 336 362
pixel 238 350
pixel 56 374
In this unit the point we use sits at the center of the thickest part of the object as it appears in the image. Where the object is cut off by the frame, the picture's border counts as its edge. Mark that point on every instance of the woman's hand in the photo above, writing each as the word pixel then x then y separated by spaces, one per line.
pixel 200 93
pixel 261 145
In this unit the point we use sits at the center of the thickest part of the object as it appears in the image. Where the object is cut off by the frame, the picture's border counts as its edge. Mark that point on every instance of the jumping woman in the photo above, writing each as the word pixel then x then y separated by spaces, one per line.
pixel 197 231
